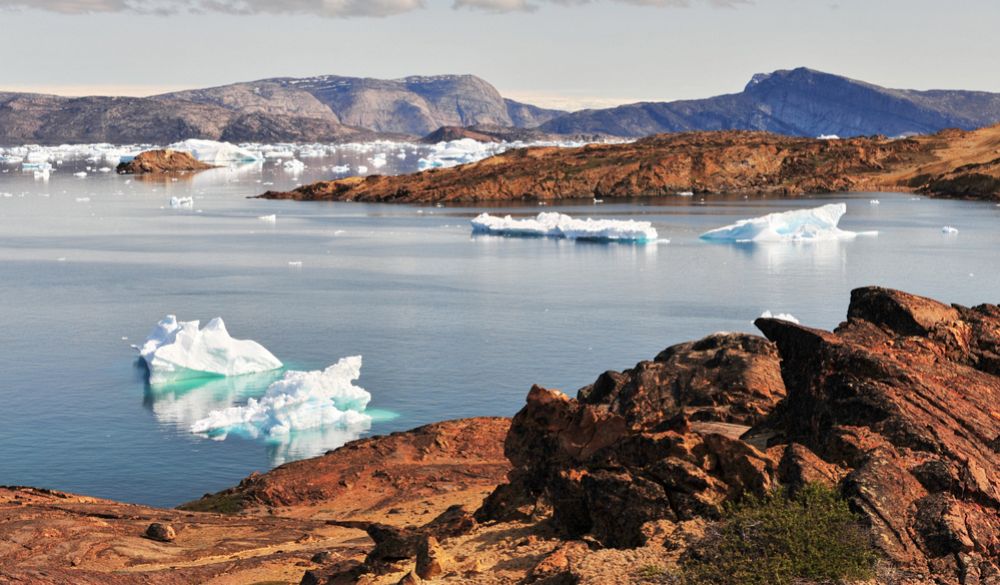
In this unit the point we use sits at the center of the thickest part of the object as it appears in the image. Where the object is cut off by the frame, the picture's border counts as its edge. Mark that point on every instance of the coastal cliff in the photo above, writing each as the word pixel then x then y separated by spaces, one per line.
pixel 952 163
pixel 894 412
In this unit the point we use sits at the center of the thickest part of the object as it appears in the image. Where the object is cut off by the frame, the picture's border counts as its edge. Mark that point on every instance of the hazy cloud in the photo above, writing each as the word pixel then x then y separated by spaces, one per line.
pixel 332 8
pixel 531 5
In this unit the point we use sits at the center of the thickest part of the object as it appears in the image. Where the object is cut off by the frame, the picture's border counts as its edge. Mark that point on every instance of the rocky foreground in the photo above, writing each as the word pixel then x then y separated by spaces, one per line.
pixel 896 409
pixel 952 163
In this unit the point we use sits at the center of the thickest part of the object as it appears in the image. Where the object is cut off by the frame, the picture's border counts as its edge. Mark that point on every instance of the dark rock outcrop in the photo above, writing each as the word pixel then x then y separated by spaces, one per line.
pixel 625 453
pixel 161 161
pixel 904 395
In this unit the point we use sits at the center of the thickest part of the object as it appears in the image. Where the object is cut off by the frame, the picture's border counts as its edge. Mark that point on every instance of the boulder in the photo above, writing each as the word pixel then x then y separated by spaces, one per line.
pixel 161 532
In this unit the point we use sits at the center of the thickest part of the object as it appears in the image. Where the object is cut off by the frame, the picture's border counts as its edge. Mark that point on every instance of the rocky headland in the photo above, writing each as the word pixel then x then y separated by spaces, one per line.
pixel 161 161
pixel 952 163
pixel 628 481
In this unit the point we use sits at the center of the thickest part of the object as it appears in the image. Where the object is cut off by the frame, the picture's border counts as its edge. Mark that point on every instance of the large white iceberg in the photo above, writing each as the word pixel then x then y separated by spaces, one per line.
pixel 217 153
pixel 320 399
pixel 815 224
pixel 558 225
pixel 180 350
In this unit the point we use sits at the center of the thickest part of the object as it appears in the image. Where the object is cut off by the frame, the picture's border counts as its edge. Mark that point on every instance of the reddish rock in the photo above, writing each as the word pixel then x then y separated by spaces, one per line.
pixel 161 161
pixel 904 395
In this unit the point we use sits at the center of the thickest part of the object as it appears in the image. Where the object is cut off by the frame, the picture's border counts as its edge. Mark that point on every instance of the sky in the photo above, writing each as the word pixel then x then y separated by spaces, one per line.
pixel 558 53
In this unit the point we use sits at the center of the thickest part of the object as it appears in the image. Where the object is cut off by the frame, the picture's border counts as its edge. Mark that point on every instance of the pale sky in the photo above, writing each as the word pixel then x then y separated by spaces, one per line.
pixel 564 53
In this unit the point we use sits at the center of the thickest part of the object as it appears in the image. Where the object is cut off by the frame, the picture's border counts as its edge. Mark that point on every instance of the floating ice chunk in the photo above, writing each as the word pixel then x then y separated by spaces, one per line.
pixel 340 169
pixel 294 166
pixel 362 169
pixel 268 218
pixel 83 199
pixel 819 223
pixel 779 316
pixel 685 193
pixel 181 202
pixel 180 350
pixel 949 230
pixel 299 401
pixel 295 264
pixel 212 152
pixel 558 225
pixel 104 170
pixel 80 174
pixel 874 203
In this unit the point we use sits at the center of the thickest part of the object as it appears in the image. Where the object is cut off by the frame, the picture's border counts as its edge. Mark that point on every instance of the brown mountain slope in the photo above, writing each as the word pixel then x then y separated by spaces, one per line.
pixel 951 163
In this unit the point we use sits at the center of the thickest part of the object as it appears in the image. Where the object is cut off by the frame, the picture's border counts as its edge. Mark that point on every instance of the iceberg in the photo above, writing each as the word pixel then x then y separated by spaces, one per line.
pixel 558 225
pixel 320 399
pixel 273 218
pixel 294 166
pixel 181 351
pixel 217 153
pixel 815 224
pixel 948 230
pixel 181 202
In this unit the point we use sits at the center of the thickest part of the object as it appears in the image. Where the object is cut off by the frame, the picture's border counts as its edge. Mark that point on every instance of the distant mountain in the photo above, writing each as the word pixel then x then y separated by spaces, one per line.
pixel 330 108
pixel 325 108
pixel 799 102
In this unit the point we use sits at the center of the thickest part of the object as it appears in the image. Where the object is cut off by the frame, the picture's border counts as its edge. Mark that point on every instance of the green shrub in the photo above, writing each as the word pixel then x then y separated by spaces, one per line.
pixel 779 539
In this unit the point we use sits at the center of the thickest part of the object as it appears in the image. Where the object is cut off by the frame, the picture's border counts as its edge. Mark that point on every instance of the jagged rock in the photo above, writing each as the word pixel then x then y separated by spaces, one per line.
pixel 161 161
pixel 432 561
pixel 904 395
pixel 410 578
pixel 605 478
pixel 728 377
pixel 161 532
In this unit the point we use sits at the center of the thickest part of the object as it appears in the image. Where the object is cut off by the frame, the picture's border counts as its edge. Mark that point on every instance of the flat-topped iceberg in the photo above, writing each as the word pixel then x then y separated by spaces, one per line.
pixel 216 153
pixel 815 224
pixel 320 399
pixel 558 225
pixel 179 350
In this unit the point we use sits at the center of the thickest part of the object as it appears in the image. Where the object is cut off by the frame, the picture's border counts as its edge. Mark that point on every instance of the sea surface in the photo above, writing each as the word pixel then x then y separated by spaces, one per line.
pixel 449 325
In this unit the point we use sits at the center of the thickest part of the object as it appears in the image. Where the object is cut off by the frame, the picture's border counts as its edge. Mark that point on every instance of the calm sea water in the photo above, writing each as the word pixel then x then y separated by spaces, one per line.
pixel 449 325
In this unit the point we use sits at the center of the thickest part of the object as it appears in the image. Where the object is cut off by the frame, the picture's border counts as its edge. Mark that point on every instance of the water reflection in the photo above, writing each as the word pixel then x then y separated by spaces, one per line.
pixel 181 403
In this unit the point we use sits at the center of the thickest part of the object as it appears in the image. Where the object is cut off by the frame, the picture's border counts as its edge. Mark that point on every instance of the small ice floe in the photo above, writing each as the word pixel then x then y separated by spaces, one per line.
pixel 268 218
pixel 181 202
pixel 80 174
pixel 299 401
pixel 83 199
pixel 948 230
pixel 779 316
pixel 180 351
pixel 558 225
pixel 598 201
pixel 295 264
pixel 874 203
pixel 362 169
pixel 104 170
pixel 685 193
pixel 809 225
pixel 294 166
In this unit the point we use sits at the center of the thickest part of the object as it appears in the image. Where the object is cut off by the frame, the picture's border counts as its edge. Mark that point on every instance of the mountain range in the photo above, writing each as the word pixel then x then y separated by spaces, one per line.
pixel 799 102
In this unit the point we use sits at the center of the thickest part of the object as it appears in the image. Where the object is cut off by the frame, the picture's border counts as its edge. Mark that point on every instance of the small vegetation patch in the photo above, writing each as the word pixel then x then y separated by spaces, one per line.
pixel 784 538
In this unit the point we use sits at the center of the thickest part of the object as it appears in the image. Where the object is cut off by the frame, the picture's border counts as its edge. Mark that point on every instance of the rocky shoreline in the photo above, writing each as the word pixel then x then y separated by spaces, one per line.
pixel 952 163
pixel 895 410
